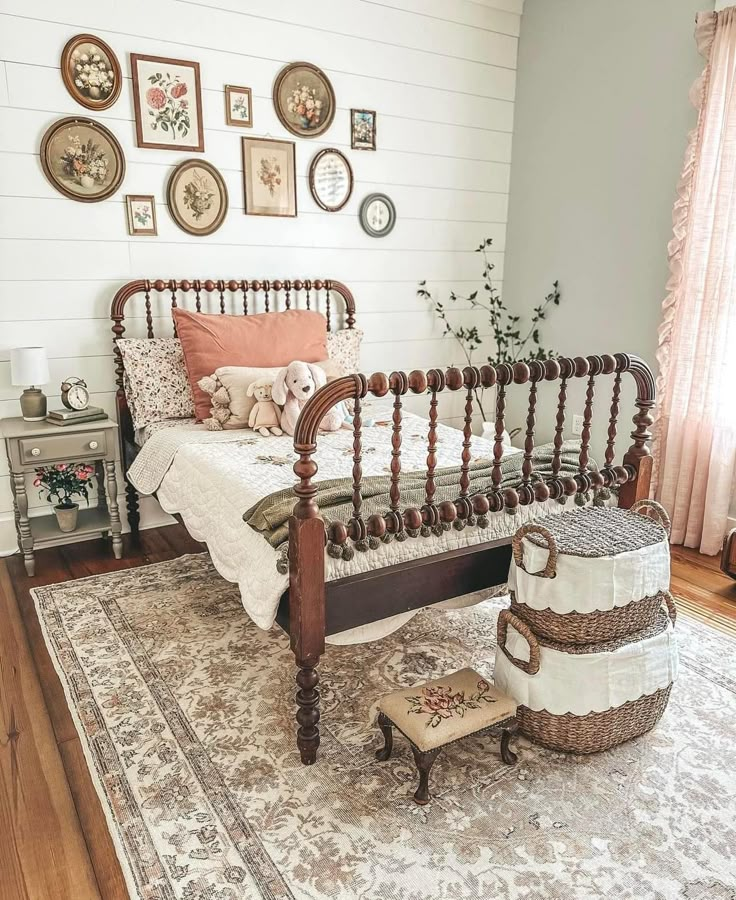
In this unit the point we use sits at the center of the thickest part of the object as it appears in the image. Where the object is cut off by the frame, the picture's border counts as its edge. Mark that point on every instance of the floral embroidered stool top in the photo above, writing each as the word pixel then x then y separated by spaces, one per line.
pixel 436 713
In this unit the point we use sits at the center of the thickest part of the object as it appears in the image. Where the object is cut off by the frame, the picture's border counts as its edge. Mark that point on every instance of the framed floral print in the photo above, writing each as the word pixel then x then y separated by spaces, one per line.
pixel 304 99
pixel 167 98
pixel 141 210
pixel 269 177
pixel 363 129
pixel 82 159
pixel 197 197
pixel 91 71
pixel 238 106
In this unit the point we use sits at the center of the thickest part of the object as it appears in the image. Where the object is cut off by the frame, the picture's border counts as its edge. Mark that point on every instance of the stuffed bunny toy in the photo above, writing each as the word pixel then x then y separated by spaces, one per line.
pixel 293 386
pixel 265 417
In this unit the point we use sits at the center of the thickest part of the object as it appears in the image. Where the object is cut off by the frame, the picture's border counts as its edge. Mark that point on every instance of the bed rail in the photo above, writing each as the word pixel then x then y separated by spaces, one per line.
pixel 308 536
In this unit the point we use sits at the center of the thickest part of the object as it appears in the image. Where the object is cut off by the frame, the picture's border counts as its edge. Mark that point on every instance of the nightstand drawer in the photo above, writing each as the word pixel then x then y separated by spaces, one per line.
pixel 63 446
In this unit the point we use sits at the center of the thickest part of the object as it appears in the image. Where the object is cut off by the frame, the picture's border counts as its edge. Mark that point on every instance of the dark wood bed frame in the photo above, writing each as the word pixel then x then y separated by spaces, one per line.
pixel 311 608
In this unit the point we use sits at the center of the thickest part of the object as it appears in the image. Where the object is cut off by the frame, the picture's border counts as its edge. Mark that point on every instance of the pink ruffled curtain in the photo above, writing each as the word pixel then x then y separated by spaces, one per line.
pixel 695 446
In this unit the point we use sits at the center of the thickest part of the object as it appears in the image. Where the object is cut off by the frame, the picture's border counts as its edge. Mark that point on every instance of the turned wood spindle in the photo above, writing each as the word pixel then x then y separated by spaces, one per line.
pixel 357 459
pixel 149 314
pixel 435 379
pixel 221 290
pixel 245 297
pixel 327 308
pixel 287 299
pixel 610 454
pixel 583 479
pixel 399 385
pixel 472 379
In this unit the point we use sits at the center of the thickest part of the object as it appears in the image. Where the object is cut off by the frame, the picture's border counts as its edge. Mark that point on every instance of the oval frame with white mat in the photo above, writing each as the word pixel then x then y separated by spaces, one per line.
pixel 187 207
pixel 330 179
pixel 377 215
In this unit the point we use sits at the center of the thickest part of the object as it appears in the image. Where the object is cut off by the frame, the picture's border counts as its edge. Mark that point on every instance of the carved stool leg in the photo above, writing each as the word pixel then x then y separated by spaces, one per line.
pixel 386 726
pixel 507 755
pixel 134 516
pixel 307 714
pixel 424 762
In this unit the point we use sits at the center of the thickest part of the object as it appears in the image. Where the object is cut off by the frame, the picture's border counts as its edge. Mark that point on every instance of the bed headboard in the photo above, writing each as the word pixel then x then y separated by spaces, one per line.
pixel 144 299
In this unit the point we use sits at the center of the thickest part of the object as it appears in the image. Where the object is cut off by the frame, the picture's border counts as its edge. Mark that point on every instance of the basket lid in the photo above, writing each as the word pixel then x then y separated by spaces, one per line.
pixel 594 531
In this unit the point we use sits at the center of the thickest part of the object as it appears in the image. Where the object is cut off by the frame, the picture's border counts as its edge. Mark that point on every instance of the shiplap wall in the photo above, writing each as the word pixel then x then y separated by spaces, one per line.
pixel 440 73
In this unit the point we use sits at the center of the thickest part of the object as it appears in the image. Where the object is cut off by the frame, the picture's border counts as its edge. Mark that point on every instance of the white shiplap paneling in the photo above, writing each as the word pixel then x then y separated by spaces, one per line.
pixel 440 74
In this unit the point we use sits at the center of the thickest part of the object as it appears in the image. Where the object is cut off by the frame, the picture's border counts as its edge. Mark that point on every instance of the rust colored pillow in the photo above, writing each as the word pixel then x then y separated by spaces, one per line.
pixel 264 340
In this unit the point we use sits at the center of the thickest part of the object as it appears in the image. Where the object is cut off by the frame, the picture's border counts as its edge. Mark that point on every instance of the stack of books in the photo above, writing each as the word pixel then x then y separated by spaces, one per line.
pixel 76 416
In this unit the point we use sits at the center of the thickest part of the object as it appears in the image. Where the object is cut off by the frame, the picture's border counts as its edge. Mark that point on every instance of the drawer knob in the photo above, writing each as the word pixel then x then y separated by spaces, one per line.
pixel 93 445
pixel 36 451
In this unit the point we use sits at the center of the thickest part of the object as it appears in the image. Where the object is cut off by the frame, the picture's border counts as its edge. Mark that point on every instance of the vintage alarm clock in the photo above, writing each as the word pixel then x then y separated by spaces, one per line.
pixel 74 393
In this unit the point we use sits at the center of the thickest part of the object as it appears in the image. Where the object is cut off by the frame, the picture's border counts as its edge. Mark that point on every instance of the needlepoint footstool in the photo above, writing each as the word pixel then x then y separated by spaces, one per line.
pixel 440 712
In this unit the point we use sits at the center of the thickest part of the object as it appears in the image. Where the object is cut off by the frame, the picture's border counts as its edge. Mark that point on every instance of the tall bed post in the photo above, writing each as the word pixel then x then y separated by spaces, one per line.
pixel 638 457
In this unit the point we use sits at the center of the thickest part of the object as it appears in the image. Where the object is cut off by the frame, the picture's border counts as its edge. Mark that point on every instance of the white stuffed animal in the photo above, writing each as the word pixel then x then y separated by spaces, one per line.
pixel 293 386
pixel 265 417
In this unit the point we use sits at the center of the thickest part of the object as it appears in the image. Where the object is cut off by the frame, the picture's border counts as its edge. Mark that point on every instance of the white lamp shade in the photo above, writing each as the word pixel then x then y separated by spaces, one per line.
pixel 29 366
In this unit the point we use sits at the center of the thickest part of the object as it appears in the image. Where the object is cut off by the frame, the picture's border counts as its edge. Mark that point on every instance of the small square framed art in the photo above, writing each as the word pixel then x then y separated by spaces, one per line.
pixel 363 129
pixel 238 106
pixel 141 209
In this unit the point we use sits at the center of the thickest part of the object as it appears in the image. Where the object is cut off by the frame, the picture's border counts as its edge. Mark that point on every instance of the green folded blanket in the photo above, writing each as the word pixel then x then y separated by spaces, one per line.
pixel 335 496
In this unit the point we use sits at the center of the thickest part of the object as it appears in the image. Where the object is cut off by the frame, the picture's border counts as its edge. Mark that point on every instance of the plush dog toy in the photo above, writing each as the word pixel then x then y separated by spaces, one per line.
pixel 265 417
pixel 293 386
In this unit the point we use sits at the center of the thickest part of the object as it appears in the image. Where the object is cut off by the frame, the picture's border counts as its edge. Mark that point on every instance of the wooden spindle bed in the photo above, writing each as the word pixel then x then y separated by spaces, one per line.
pixel 313 608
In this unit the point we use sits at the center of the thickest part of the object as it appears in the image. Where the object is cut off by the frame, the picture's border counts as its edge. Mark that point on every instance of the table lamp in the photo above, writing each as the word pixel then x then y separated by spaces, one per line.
pixel 29 366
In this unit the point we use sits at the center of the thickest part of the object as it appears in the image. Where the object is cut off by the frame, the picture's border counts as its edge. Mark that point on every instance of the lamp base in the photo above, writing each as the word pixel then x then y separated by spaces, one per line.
pixel 33 404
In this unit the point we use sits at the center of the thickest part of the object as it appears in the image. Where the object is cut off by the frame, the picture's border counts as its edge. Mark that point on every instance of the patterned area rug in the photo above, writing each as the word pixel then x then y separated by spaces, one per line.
pixel 186 713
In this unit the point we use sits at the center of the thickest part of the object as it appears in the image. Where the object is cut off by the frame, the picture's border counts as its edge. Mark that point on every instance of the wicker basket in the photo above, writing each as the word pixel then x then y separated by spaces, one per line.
pixel 594 731
pixel 562 539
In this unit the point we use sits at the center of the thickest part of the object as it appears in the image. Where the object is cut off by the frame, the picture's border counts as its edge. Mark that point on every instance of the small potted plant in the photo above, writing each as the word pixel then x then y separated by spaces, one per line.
pixel 63 481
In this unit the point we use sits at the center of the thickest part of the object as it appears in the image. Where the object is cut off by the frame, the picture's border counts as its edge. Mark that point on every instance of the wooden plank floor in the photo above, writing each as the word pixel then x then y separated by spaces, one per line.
pixel 54 843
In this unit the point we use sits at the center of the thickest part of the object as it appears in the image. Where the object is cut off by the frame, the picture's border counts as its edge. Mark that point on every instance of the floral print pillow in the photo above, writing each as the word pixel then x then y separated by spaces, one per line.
pixel 344 347
pixel 155 378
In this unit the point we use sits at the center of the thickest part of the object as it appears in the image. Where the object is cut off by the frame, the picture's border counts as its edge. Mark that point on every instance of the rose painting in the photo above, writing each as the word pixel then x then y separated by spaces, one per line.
pixel 168 103
pixel 269 175
pixel 238 106
pixel 304 99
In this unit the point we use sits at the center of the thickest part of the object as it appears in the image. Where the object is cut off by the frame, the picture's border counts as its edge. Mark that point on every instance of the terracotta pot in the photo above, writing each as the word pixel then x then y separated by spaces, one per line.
pixel 66 516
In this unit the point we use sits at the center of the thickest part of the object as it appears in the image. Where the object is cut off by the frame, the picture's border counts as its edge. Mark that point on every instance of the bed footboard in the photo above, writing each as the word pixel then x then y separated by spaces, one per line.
pixel 309 539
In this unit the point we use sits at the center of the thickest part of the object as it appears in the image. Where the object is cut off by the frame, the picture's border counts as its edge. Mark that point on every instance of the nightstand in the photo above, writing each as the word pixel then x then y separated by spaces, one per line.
pixel 33 444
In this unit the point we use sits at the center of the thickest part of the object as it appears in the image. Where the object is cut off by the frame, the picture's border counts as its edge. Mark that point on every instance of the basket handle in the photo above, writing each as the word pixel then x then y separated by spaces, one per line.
pixel 550 570
pixel 506 618
pixel 661 513
pixel 669 602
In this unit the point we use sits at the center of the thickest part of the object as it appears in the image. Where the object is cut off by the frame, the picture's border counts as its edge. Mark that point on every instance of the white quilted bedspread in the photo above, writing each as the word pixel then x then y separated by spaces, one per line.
pixel 212 478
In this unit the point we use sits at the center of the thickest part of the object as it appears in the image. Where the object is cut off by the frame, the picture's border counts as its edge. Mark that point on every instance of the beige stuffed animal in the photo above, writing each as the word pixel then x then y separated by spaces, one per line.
pixel 293 386
pixel 265 417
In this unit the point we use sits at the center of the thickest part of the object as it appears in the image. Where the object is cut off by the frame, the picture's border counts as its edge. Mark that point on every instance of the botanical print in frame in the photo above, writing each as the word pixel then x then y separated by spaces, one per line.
pixel 168 103
pixel 82 159
pixel 304 99
pixel 141 210
pixel 238 106
pixel 197 197
pixel 363 129
pixel 269 177
pixel 91 71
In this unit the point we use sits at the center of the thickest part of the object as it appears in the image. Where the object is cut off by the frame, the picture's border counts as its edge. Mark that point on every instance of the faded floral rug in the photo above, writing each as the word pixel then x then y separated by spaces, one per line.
pixel 186 713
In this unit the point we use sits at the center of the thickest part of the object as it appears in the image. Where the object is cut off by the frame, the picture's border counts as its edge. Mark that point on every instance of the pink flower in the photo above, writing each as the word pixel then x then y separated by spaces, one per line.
pixel 83 476
pixel 178 90
pixel 184 104
pixel 62 467
pixel 483 685
pixel 156 98
pixel 36 482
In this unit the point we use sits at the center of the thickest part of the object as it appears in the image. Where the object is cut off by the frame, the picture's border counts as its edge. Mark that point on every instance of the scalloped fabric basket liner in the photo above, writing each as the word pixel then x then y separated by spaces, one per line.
pixel 574 578
pixel 584 699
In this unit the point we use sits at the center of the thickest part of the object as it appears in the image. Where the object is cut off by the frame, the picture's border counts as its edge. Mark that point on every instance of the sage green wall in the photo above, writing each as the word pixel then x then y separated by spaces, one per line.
pixel 601 119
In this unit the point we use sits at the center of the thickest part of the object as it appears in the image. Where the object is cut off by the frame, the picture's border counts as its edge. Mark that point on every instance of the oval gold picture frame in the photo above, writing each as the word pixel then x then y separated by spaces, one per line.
pixel 315 186
pixel 185 217
pixel 55 165
pixel 71 75
pixel 317 88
